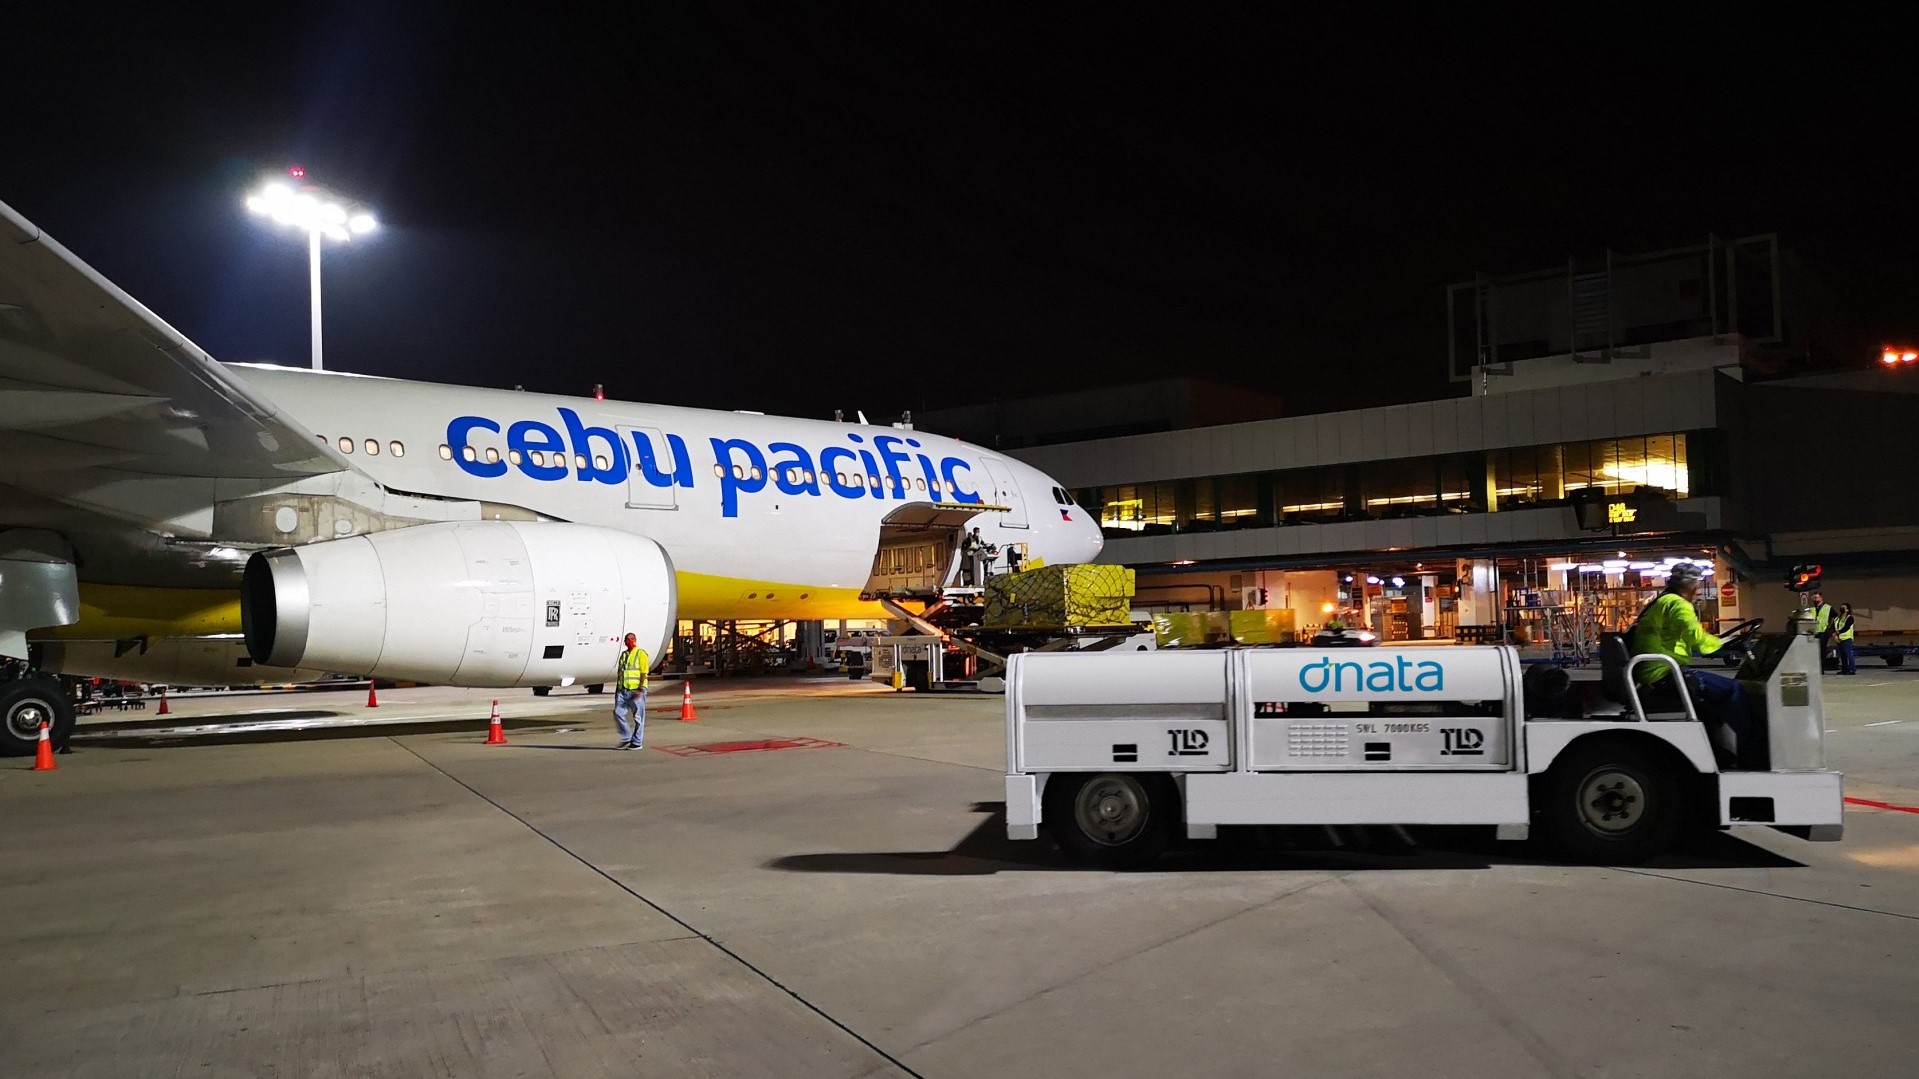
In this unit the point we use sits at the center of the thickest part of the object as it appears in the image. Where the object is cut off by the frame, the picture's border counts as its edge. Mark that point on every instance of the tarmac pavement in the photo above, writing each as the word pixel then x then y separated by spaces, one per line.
pixel 407 901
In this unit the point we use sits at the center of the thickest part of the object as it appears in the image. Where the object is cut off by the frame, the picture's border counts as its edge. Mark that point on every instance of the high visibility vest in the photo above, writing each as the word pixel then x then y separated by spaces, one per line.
pixel 1843 625
pixel 633 665
pixel 1823 613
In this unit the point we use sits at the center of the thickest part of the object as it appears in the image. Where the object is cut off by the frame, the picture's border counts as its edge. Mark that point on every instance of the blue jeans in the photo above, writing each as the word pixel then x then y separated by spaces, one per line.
pixel 1719 698
pixel 629 714
pixel 1848 658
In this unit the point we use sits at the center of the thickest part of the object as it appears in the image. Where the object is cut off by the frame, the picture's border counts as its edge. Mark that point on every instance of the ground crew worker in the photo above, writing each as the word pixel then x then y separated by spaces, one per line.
pixel 1670 626
pixel 1822 622
pixel 629 695
pixel 1842 631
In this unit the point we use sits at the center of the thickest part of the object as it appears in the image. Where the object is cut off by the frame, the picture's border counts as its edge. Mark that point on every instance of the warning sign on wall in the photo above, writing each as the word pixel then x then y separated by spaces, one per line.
pixel 1728 593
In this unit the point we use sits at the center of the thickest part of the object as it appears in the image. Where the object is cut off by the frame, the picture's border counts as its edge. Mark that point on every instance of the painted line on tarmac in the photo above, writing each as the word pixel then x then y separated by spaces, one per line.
pixel 1657 875
pixel 1870 685
pixel 676 919
pixel 1884 723
pixel 1881 805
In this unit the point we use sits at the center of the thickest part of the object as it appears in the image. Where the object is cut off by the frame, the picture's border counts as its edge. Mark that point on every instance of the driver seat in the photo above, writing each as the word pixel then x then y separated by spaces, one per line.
pixel 1615 656
pixel 1666 694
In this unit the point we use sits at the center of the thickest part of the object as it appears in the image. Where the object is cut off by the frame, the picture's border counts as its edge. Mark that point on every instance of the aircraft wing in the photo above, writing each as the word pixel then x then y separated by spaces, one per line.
pixel 118 432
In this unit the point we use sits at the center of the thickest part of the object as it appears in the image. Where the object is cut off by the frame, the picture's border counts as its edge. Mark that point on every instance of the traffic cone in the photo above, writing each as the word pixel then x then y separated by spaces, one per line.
pixel 495 735
pixel 43 756
pixel 687 714
pixel 372 701
pixel 163 702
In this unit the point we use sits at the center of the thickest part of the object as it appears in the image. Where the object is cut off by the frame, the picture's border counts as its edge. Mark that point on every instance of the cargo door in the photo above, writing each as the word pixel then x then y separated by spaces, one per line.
pixel 1005 493
pixel 918 551
pixel 649 484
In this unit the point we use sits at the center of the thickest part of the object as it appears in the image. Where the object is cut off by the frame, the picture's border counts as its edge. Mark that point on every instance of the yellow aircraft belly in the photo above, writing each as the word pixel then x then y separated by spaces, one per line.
pixel 122 612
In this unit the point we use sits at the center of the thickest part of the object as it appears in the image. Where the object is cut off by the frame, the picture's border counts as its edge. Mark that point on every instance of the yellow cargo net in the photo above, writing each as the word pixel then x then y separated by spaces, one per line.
pixel 1061 597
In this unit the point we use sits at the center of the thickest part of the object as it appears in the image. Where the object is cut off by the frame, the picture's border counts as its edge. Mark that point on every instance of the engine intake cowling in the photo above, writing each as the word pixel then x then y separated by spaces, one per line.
pixel 487 603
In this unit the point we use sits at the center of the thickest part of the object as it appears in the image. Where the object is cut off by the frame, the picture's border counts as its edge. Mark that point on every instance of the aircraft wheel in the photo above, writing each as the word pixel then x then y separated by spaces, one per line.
pixel 1610 803
pixel 1114 820
pixel 1896 659
pixel 24 704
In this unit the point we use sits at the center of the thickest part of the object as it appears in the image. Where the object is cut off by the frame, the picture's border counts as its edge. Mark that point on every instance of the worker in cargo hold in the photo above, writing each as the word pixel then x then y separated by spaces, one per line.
pixel 978 553
pixel 1670 626
pixel 629 695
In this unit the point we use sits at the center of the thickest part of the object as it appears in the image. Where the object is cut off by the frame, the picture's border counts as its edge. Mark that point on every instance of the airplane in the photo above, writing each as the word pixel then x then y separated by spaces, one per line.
pixel 167 517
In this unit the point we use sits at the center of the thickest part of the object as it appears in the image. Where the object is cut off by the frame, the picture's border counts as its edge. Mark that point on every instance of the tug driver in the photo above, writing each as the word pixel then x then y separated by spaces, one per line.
pixel 1670 626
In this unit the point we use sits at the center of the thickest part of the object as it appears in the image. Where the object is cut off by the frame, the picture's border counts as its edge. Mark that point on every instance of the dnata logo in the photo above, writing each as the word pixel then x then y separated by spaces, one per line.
pixel 886 469
pixel 1380 676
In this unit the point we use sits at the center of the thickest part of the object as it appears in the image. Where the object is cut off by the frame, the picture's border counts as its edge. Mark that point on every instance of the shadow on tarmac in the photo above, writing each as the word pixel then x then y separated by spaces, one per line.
pixel 986 850
pixel 184 733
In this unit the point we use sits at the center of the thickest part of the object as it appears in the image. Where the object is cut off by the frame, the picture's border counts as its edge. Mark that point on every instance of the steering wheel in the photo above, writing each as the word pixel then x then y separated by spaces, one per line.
pixel 1740 635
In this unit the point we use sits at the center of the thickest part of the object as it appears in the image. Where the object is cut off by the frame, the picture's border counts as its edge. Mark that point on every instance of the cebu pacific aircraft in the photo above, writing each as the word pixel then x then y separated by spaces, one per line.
pixel 166 517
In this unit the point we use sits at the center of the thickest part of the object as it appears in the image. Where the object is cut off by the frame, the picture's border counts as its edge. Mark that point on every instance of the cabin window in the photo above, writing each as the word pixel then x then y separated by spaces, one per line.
pixel 600 462
pixel 346 444
pixel 398 448
pixel 513 457
pixel 492 456
pixel 373 447
pixel 446 452
pixel 467 454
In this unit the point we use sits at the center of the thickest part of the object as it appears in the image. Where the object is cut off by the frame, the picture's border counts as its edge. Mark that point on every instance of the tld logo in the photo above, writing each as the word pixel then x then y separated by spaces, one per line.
pixel 1463 742
pixel 1188 742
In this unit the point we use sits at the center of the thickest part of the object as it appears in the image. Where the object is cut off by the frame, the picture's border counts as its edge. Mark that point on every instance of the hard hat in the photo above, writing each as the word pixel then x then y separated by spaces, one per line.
pixel 1686 573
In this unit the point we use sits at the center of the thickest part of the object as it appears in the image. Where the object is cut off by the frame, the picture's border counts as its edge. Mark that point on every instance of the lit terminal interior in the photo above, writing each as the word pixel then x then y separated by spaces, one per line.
pixel 1611 422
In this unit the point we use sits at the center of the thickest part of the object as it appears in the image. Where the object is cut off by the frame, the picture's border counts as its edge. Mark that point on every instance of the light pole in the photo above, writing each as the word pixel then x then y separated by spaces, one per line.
pixel 319 213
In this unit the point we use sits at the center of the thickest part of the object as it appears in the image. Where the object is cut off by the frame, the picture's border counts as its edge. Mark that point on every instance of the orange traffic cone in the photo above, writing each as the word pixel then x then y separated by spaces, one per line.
pixel 372 701
pixel 43 756
pixel 687 714
pixel 163 702
pixel 495 735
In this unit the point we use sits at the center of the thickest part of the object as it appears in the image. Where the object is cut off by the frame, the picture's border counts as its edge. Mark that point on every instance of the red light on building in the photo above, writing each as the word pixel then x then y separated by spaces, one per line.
pixel 599 392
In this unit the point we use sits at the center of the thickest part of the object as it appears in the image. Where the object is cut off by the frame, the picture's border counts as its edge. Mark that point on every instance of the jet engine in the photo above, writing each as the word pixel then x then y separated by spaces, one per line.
pixel 487 603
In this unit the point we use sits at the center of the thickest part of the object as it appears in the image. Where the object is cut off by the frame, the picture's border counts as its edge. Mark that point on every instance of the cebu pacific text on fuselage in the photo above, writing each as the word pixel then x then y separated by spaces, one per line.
pixel 740 467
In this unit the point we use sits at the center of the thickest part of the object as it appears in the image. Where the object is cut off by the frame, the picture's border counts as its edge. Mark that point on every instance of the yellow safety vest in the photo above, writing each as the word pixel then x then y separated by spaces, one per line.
pixel 1844 624
pixel 633 665
pixel 1823 613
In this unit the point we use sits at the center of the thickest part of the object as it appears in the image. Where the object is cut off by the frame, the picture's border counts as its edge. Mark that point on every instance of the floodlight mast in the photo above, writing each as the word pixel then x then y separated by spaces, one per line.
pixel 321 215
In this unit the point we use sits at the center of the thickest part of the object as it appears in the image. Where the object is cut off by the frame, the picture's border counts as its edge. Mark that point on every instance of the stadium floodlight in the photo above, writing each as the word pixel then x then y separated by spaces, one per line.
pixel 321 214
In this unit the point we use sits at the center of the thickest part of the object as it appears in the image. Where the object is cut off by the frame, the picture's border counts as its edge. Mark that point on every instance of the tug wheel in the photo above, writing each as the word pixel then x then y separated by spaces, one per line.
pixel 1115 820
pixel 1611 803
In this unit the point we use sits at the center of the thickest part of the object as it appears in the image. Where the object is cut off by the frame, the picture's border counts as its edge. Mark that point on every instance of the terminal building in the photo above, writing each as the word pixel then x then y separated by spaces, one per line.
pixel 1698 403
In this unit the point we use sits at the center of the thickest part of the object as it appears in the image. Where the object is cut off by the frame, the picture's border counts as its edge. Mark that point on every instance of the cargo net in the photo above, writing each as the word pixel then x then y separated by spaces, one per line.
pixel 1218 629
pixel 1061 597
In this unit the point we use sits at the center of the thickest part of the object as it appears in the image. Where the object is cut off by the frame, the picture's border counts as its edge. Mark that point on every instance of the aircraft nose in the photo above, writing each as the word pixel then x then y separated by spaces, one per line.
pixel 1091 539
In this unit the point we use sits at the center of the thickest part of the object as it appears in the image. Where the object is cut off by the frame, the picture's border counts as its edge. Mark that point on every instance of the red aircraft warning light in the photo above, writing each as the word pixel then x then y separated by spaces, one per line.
pixel 297 172
pixel 1891 356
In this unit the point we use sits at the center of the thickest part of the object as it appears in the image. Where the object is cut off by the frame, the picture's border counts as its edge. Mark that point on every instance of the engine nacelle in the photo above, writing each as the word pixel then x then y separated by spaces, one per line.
pixel 487 603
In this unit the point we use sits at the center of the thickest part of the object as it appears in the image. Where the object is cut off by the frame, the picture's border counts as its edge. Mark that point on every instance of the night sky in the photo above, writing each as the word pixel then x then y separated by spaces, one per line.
pixel 800 207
